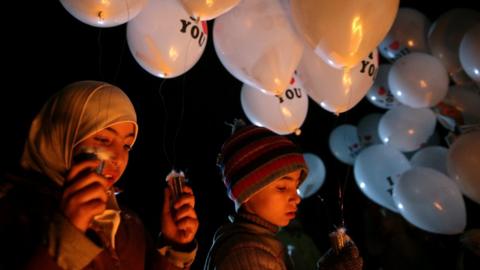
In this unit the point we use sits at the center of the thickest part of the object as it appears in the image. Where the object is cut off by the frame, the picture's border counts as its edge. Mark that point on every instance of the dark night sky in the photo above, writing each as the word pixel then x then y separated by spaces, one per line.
pixel 181 120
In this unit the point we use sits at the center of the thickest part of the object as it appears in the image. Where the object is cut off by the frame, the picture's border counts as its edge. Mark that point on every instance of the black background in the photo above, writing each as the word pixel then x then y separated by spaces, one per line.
pixel 182 120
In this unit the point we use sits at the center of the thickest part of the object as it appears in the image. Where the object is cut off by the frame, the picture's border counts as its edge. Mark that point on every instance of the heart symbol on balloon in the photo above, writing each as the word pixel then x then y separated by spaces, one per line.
pixel 381 91
pixel 394 45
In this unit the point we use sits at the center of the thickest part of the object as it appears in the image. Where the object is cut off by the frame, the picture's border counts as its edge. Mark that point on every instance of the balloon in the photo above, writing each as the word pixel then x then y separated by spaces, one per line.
pixel 463 164
pixel 460 107
pixel 408 34
pixel 207 10
pixel 376 170
pixel 315 178
pixel 368 129
pixel 104 13
pixel 343 32
pixel 344 143
pixel 380 94
pixel 444 39
pixel 431 201
pixel 256 43
pixel 418 80
pixel 168 47
pixel 282 114
pixel 470 53
pixel 334 89
pixel 406 128
pixel 434 157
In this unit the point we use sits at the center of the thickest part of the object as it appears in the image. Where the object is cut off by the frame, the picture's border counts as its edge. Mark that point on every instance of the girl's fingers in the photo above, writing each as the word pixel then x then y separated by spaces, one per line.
pixel 77 168
pixel 185 212
pixel 185 199
pixel 94 191
pixel 80 183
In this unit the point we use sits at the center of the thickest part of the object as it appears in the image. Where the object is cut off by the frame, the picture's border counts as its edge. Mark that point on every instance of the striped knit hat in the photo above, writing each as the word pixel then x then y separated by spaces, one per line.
pixel 253 157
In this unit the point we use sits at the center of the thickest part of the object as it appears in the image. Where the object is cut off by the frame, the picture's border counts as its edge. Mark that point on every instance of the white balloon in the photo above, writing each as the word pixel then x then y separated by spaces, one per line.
pixel 380 94
pixel 334 89
pixel 464 164
pixel 407 34
pixel 434 157
pixel 208 10
pixel 344 143
pixel 256 43
pixel 315 178
pixel 377 169
pixel 470 53
pixel 460 107
pixel 406 128
pixel 283 114
pixel 445 35
pixel 100 13
pixel 418 80
pixel 431 201
pixel 168 47
pixel 368 129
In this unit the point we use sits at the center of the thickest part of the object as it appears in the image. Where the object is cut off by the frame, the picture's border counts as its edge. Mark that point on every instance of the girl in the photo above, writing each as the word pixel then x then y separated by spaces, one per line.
pixel 61 211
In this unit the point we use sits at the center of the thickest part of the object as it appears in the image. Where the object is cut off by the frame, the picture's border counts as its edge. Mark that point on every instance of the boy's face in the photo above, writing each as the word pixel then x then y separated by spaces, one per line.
pixel 277 202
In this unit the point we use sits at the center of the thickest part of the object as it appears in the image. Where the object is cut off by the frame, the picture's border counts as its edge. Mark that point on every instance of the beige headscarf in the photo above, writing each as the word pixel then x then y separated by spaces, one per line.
pixel 70 116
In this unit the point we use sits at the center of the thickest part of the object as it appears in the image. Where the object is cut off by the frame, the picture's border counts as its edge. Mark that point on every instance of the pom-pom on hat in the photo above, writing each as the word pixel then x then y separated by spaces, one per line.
pixel 253 157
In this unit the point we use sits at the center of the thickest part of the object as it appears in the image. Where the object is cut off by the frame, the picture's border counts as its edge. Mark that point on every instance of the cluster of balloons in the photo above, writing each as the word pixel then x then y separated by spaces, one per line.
pixel 426 190
pixel 286 51
pixel 166 47
pixel 416 89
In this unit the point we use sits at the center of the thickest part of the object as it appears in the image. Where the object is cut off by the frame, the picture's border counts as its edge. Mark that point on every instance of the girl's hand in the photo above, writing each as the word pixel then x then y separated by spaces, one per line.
pixel 85 194
pixel 179 222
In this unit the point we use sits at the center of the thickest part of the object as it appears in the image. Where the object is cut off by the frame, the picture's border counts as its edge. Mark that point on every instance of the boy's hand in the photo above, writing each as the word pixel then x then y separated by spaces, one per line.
pixel 348 258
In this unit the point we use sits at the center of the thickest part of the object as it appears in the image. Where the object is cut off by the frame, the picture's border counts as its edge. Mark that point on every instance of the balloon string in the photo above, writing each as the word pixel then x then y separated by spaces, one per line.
pixel 122 50
pixel 120 60
pixel 172 161
pixel 100 53
pixel 323 203
pixel 182 113
pixel 164 143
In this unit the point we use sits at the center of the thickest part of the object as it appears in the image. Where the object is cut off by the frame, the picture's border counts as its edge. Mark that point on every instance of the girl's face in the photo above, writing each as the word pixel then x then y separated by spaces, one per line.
pixel 277 202
pixel 117 141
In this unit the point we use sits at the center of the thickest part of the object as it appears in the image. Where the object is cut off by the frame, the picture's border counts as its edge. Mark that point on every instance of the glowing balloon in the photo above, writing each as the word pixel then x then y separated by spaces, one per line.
pixel 444 39
pixel 418 80
pixel 431 201
pixel 168 47
pixel 343 32
pixel 408 34
pixel 208 9
pixel 464 164
pixel 470 53
pixel 377 169
pixel 101 13
pixel 256 43
pixel 336 90
pixel 344 143
pixel 380 94
pixel 282 114
pixel 405 128
pixel 315 178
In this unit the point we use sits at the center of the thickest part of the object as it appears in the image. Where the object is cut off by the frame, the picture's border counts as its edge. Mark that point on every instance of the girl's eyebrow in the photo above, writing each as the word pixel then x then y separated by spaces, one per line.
pixel 132 134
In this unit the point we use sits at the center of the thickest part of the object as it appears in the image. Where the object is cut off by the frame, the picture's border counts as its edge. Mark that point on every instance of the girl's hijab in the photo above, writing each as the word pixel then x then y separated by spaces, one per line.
pixel 70 116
